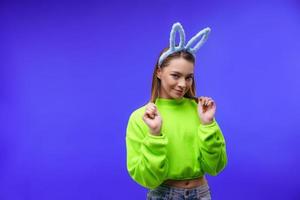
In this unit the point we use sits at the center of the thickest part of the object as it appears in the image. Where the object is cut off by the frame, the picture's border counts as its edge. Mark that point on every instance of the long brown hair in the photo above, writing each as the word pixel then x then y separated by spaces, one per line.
pixel 156 81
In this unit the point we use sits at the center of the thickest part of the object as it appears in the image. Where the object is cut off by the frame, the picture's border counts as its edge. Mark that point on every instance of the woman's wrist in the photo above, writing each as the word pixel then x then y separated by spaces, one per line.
pixel 207 122
pixel 155 132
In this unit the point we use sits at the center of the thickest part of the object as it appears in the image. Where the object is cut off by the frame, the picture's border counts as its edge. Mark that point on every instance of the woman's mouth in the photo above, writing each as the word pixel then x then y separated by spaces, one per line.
pixel 179 92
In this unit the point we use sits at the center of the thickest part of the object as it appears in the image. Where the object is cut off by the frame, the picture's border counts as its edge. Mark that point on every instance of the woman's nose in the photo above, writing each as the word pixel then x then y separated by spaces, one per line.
pixel 182 83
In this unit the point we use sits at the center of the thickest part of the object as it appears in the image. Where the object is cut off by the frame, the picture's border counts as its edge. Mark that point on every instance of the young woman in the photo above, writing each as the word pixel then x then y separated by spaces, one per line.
pixel 174 139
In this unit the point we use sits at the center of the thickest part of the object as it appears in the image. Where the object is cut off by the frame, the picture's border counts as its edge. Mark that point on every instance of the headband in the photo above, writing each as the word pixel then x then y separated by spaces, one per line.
pixel 202 36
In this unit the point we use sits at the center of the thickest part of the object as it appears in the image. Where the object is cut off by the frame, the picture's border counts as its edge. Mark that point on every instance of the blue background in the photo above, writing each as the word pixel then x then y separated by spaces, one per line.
pixel 72 72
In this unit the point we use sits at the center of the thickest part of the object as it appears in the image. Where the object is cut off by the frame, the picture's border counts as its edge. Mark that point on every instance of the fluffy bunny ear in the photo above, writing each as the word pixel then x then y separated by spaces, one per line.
pixel 173 48
pixel 177 27
pixel 202 35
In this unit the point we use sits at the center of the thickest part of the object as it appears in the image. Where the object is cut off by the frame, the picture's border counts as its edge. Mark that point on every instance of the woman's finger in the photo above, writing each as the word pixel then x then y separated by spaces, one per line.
pixel 150 114
pixel 150 110
pixel 206 101
pixel 210 102
pixel 201 100
pixel 151 107
pixel 153 111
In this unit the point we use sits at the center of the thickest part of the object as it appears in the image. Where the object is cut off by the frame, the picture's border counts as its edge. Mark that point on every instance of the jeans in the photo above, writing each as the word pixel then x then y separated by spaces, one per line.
pixel 165 192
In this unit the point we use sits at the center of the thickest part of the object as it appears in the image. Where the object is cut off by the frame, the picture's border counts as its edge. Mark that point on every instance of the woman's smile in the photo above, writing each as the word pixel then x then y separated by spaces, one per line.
pixel 179 92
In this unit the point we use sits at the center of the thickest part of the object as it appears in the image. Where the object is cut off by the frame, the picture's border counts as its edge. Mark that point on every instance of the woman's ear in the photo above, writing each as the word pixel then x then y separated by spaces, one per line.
pixel 158 73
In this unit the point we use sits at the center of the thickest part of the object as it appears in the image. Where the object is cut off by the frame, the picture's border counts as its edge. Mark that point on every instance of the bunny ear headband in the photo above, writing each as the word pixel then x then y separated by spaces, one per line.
pixel 201 36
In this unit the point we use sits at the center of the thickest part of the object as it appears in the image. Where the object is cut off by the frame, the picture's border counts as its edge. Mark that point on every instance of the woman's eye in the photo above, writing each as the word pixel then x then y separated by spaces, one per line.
pixel 175 76
pixel 189 78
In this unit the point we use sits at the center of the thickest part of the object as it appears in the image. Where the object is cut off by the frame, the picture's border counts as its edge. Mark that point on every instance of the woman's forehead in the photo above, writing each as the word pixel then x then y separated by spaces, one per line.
pixel 180 65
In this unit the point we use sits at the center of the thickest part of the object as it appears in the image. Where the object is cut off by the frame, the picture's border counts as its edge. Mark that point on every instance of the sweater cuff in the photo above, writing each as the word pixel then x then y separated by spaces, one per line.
pixel 209 131
pixel 213 123
pixel 155 141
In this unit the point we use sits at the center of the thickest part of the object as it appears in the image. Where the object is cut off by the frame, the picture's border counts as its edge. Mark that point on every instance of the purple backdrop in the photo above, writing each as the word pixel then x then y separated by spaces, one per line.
pixel 71 73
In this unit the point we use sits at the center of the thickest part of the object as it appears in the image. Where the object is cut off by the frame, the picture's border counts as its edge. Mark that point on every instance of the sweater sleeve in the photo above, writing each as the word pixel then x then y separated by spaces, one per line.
pixel 146 154
pixel 212 148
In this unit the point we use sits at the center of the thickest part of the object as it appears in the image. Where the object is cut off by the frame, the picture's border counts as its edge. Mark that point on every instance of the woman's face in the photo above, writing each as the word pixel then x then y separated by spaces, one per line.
pixel 176 78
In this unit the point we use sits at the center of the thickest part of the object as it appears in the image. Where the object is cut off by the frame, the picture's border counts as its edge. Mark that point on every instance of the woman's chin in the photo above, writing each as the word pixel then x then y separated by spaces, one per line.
pixel 177 96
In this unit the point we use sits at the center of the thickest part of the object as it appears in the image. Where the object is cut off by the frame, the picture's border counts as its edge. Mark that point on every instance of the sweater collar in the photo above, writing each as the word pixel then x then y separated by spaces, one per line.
pixel 169 102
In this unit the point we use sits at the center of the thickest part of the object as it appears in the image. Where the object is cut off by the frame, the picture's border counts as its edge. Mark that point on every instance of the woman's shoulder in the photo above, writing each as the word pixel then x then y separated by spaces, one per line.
pixel 136 118
pixel 138 113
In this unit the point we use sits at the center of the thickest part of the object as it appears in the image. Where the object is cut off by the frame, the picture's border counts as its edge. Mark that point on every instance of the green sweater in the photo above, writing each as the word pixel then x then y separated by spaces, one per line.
pixel 186 149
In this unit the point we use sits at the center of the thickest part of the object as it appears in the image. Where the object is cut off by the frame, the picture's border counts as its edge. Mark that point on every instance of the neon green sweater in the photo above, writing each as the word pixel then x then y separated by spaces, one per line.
pixel 186 149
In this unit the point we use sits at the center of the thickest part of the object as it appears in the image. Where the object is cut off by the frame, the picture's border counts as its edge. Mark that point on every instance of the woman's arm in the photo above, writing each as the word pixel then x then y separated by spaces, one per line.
pixel 211 140
pixel 146 154
pixel 212 148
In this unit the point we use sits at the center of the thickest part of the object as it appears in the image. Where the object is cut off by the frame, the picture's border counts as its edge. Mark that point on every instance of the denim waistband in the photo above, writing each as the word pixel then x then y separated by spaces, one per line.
pixel 200 188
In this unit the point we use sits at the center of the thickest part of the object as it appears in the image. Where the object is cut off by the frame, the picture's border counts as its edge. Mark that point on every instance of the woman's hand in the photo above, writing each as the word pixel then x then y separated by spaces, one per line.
pixel 153 119
pixel 206 109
